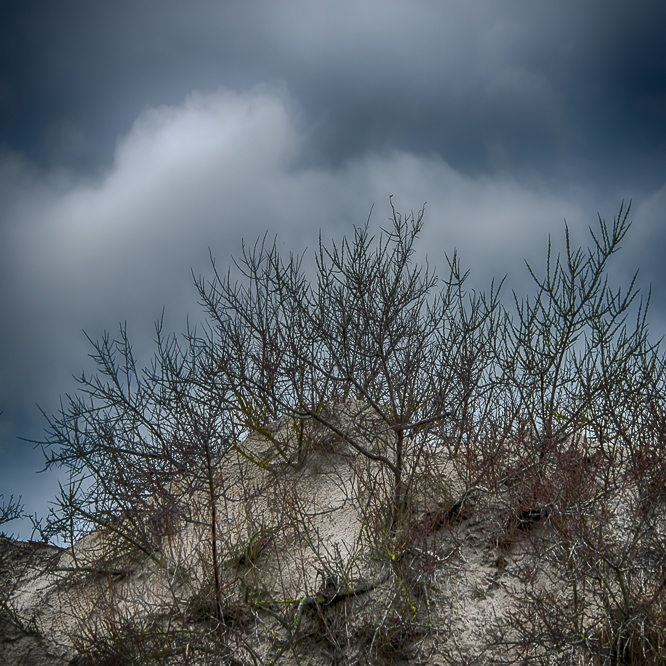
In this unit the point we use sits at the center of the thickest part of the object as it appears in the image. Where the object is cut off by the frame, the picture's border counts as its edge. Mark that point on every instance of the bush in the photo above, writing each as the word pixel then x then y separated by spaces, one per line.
pixel 442 403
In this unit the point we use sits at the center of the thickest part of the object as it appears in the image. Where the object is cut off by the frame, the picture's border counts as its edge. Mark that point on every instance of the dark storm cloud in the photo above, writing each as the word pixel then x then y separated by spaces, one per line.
pixel 522 86
pixel 133 136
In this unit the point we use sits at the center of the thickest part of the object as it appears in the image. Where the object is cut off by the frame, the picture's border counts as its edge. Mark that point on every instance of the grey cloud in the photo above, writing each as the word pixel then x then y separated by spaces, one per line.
pixel 518 85
pixel 116 175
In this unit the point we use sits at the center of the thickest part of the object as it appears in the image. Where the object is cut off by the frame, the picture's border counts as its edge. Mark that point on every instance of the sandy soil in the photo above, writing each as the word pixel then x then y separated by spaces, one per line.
pixel 445 594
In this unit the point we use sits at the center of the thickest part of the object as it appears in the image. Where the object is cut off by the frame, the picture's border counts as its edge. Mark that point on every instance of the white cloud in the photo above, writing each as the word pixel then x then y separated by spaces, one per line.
pixel 224 166
pixel 210 171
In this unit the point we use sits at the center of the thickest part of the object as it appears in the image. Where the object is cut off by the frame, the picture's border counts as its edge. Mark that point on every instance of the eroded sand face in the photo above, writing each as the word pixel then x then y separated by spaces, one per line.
pixel 289 532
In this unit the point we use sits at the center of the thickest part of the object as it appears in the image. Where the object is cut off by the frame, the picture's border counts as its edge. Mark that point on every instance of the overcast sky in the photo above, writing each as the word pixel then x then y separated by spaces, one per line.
pixel 136 135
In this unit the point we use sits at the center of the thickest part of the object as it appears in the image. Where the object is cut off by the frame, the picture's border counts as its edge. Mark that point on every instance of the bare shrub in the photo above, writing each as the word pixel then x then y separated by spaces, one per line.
pixel 302 468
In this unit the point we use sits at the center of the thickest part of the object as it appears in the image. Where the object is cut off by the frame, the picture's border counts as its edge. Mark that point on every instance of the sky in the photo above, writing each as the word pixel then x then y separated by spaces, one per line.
pixel 136 136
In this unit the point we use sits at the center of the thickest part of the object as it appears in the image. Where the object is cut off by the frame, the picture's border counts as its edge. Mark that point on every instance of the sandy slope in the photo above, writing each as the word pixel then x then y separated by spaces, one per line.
pixel 442 593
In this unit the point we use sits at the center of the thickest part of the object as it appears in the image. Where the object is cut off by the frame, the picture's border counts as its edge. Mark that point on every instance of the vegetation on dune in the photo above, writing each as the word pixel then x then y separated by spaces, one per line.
pixel 414 406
